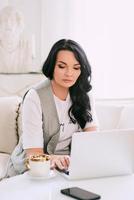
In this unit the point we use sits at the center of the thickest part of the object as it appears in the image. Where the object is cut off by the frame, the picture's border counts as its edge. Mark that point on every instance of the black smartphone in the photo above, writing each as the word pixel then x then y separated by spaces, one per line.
pixel 79 193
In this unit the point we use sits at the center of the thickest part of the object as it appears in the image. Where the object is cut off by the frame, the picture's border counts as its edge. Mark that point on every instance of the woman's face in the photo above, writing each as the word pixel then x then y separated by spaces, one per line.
pixel 67 69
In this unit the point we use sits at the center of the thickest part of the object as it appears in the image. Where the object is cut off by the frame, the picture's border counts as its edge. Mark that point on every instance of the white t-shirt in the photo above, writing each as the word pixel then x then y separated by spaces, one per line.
pixel 32 121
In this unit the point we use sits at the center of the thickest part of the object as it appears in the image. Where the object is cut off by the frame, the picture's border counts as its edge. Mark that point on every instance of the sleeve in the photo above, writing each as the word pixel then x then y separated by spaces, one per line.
pixel 32 121
pixel 94 122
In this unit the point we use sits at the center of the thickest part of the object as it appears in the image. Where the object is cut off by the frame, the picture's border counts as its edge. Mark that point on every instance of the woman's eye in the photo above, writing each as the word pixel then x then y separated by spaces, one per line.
pixel 61 66
pixel 77 68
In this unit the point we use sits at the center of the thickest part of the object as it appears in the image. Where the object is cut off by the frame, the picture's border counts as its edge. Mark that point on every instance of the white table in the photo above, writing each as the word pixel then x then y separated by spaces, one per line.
pixel 21 187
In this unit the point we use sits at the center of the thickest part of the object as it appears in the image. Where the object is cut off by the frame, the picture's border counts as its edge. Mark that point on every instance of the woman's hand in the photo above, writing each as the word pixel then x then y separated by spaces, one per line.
pixel 60 161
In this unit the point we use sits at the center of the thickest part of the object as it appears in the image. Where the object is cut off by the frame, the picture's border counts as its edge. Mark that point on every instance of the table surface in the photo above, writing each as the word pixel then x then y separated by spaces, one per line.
pixel 22 187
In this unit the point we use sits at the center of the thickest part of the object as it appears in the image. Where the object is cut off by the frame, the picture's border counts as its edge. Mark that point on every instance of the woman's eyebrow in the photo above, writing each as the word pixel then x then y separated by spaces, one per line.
pixel 66 63
pixel 62 62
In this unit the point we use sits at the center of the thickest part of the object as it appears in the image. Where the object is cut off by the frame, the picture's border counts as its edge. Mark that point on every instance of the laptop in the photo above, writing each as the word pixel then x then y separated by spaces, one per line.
pixel 100 154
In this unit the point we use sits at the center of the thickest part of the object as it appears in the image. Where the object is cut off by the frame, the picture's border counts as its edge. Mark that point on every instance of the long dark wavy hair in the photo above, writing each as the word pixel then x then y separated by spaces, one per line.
pixel 80 109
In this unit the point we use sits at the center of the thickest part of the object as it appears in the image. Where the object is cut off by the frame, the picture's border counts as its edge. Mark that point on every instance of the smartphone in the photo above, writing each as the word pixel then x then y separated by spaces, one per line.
pixel 79 193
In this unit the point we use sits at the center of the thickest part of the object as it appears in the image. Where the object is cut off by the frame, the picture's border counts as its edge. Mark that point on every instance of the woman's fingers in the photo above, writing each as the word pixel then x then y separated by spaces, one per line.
pixel 53 165
pixel 67 159
pixel 65 162
pixel 62 162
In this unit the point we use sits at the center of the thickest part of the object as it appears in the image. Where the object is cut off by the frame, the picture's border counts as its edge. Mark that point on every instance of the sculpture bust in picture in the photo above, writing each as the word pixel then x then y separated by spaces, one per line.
pixel 16 55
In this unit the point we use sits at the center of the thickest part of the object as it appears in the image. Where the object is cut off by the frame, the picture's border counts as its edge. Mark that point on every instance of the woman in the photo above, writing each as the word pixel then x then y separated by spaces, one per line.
pixel 57 107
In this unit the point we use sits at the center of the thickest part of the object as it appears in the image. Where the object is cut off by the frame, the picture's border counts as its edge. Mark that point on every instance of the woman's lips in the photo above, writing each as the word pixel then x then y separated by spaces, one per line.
pixel 67 80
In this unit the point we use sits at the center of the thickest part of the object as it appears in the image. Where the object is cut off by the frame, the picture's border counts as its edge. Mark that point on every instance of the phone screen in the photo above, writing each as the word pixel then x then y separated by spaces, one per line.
pixel 79 193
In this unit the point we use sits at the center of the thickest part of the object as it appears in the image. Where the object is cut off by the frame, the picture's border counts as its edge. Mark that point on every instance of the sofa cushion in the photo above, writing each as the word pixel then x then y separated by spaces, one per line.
pixel 4 158
pixel 108 116
pixel 127 118
pixel 8 123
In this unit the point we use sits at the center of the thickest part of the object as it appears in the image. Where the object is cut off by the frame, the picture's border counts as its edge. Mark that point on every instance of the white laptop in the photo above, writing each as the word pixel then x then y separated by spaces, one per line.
pixel 100 154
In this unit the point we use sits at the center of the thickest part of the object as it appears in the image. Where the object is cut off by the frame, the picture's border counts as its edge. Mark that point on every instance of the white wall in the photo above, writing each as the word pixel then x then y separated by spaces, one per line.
pixel 104 28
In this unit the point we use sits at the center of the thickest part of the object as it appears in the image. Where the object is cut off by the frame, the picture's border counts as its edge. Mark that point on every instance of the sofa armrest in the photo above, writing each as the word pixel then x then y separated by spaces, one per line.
pixel 4 158
pixel 8 123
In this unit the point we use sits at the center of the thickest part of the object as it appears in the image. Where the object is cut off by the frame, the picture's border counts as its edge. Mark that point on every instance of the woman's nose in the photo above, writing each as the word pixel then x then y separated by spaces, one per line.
pixel 69 72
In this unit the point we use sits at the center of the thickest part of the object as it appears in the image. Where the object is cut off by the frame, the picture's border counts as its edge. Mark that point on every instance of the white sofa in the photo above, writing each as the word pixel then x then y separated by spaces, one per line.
pixel 18 84
pixel 9 112
pixel 112 114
